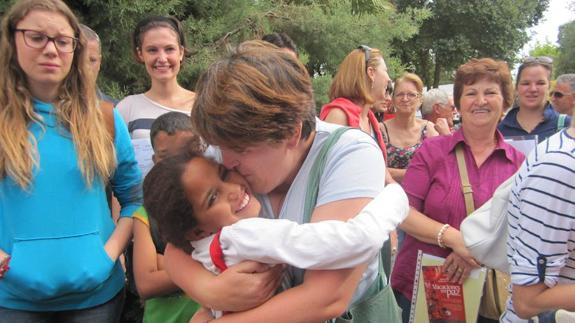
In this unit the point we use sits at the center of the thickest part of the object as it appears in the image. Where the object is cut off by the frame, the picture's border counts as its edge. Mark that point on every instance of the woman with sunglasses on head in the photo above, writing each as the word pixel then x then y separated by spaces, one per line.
pixel 533 114
pixel 360 82
pixel 358 88
pixel 59 149
pixel 405 133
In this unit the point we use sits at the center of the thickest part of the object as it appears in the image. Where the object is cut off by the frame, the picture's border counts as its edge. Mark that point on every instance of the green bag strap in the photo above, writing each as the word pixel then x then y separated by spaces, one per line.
pixel 561 121
pixel 311 200
pixel 316 172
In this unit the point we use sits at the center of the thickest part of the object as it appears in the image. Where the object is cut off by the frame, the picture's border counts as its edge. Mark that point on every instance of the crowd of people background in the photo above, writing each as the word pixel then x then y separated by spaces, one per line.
pixel 78 233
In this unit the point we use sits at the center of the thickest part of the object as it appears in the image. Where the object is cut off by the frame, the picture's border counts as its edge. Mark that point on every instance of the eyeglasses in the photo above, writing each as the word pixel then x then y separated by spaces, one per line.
pixel 367 51
pixel 558 95
pixel 409 95
pixel 36 39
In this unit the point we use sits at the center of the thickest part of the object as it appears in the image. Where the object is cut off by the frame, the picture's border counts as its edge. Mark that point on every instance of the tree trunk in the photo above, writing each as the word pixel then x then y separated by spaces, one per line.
pixel 436 75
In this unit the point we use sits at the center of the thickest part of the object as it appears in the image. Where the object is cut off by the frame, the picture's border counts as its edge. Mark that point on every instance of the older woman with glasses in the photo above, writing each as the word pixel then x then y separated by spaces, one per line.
pixel 405 133
pixel 533 114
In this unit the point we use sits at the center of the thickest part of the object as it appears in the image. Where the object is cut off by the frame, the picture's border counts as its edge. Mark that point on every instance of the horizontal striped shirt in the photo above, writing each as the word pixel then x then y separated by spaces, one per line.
pixel 541 216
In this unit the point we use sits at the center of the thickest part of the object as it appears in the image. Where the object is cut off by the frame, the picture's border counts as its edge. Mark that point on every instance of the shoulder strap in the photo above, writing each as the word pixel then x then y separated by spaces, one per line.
pixel 561 120
pixel 108 115
pixel 316 172
pixel 424 130
pixel 465 185
pixel 386 132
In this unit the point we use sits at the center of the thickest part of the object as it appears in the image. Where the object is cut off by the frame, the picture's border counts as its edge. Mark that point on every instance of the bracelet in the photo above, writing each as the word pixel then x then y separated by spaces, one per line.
pixel 440 235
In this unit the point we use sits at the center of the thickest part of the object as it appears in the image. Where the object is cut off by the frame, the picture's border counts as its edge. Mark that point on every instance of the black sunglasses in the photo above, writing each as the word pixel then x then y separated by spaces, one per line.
pixel 557 95
pixel 367 51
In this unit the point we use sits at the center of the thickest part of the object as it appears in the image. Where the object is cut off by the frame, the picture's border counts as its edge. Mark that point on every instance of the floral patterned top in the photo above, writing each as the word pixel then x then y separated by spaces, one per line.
pixel 399 157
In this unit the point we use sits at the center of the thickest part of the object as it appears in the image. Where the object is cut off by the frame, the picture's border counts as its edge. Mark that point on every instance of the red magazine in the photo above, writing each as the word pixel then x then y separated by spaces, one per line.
pixel 444 299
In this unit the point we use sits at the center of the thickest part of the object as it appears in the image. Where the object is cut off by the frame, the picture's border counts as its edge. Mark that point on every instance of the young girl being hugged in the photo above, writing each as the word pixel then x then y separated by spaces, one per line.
pixel 159 43
pixel 58 150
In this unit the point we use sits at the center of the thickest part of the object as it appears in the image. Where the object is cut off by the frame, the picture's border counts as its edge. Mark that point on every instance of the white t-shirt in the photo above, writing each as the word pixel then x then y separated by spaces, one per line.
pixel 139 112
pixel 355 168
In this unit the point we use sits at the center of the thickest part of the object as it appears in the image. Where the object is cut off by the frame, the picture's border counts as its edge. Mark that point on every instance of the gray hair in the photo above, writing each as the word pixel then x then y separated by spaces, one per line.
pixel 432 97
pixel 89 33
pixel 568 79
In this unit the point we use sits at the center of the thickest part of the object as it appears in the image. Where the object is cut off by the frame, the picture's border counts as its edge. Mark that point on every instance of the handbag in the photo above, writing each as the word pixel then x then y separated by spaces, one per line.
pixel 485 229
pixel 378 303
pixel 495 293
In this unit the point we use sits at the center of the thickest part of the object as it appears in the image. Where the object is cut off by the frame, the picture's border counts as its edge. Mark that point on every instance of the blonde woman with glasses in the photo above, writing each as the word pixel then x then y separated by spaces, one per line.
pixel 405 133
pixel 59 149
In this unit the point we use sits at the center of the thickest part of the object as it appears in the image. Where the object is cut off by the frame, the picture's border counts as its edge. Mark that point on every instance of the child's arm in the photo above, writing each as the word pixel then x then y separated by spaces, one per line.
pixel 320 245
pixel 151 279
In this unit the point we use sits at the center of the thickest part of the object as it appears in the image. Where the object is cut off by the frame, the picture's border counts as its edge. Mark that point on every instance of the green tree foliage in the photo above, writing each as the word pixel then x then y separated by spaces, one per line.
pixel 544 49
pixel 566 60
pixel 325 31
pixel 547 49
pixel 460 30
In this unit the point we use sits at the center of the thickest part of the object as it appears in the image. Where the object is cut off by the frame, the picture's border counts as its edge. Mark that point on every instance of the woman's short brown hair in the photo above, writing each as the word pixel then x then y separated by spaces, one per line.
pixel 253 96
pixel 484 69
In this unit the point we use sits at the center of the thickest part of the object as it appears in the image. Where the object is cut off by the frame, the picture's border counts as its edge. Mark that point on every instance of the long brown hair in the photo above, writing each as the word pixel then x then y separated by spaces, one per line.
pixel 351 80
pixel 76 105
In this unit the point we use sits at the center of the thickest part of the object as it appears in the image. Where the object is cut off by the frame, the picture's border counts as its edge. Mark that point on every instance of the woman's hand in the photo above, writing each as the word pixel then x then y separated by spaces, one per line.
pixel 460 262
pixel 240 287
pixel 119 239
pixel 457 268
pixel 4 263
pixel 249 284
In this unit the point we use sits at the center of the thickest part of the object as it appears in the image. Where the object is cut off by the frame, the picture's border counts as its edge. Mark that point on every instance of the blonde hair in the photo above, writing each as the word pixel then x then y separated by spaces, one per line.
pixel 76 106
pixel 411 78
pixel 351 80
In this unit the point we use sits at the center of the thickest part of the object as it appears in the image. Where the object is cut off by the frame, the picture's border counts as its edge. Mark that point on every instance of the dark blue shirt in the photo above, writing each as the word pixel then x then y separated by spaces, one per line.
pixel 510 127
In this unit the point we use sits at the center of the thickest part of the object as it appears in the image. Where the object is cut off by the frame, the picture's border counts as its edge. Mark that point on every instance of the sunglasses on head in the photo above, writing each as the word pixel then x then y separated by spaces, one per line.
pixel 544 61
pixel 367 51
pixel 538 59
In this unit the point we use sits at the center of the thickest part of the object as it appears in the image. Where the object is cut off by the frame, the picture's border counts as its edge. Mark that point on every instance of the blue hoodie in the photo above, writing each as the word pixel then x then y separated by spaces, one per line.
pixel 56 230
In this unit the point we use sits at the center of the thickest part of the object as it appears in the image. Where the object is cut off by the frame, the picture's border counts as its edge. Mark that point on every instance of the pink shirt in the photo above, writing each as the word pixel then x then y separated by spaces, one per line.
pixel 433 186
